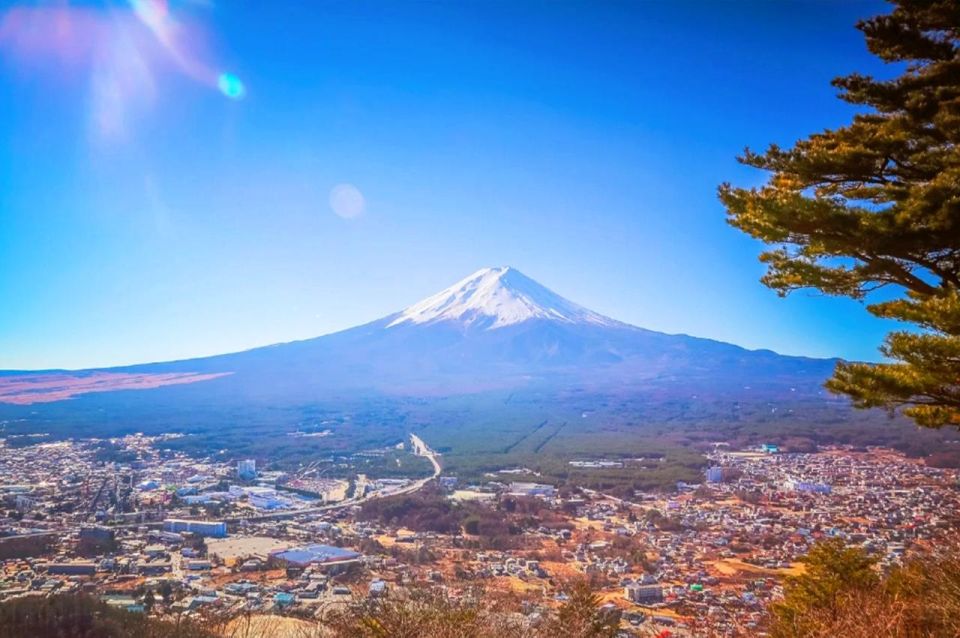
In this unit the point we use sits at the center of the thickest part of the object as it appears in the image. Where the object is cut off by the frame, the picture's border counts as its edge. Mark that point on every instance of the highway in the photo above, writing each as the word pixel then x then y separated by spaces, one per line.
pixel 422 449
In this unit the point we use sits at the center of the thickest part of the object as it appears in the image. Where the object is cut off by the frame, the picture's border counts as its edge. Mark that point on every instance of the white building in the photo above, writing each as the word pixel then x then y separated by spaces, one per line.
pixel 531 489
pixel 264 498
pixel 643 594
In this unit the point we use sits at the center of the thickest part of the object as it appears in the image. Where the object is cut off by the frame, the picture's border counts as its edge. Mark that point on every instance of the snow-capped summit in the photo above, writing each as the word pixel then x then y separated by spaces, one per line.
pixel 493 298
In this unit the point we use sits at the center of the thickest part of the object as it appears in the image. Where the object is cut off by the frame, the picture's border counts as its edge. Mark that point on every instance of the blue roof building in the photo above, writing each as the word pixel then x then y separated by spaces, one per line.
pixel 283 599
pixel 307 554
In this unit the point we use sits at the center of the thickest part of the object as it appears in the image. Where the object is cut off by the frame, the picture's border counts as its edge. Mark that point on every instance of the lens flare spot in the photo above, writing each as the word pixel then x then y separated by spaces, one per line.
pixel 231 86
pixel 347 201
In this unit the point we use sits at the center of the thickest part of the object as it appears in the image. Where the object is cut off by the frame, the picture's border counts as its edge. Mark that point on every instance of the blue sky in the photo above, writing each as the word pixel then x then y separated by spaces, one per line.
pixel 145 215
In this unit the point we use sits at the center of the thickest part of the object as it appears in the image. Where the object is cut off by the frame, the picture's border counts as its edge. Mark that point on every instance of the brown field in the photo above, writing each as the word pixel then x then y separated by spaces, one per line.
pixel 733 566
pixel 269 625
pixel 26 389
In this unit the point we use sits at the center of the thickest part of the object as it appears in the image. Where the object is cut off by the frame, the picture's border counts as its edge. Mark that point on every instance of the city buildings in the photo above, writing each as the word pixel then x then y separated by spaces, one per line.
pixel 712 558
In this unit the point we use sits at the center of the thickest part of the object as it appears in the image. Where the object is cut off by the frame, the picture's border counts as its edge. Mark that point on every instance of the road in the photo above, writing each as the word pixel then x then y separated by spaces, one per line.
pixel 422 449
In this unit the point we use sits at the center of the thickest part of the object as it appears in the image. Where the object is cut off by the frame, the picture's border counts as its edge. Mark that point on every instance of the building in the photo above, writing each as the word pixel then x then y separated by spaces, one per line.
pixel 73 569
pixel 597 464
pixel 769 448
pixel 153 568
pixel 94 539
pixel 265 498
pixel 269 501
pixel 310 554
pixel 217 529
pixel 126 603
pixel 715 474
pixel 643 594
pixel 531 489
pixel 283 599
pixel 247 469
pixel 473 495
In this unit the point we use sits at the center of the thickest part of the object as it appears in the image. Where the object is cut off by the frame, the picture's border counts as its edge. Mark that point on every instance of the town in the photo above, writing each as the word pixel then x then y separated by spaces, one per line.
pixel 167 534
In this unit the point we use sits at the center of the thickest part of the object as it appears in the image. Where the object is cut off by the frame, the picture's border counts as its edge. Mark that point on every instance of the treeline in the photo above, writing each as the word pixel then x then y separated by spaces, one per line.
pixel 484 526
pixel 414 613
pixel 427 510
pixel 430 613
pixel 80 616
pixel 842 594
pixel 484 434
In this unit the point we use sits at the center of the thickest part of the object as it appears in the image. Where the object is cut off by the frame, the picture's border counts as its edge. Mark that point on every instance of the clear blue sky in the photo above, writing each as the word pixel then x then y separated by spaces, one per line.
pixel 153 207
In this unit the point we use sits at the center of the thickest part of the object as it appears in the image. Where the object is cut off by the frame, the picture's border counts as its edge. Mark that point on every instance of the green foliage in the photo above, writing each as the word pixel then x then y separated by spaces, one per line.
pixel 430 511
pixel 842 596
pixel 471 525
pixel 26 545
pixel 473 432
pixel 107 452
pixel 832 569
pixel 927 590
pixel 423 511
pixel 876 204
pixel 423 613
pixel 69 616
pixel 582 616
pixel 430 613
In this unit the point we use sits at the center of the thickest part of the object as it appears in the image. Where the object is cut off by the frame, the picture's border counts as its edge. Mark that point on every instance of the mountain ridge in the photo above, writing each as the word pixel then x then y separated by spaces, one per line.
pixel 494 328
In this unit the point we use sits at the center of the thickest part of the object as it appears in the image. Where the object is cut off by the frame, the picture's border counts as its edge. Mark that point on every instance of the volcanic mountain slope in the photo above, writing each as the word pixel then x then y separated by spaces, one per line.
pixel 496 329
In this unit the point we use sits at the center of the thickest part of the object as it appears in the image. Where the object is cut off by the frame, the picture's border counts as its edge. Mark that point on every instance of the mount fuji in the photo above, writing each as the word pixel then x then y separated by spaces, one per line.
pixel 496 329
pixel 495 298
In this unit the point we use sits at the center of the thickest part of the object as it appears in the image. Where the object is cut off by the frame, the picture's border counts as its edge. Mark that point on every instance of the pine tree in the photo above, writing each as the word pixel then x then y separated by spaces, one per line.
pixel 876 204
pixel 832 572
pixel 582 616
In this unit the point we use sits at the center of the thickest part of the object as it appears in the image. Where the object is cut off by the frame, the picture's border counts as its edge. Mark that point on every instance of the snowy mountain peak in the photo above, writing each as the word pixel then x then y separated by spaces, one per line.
pixel 492 298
